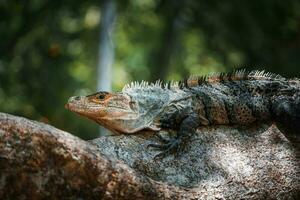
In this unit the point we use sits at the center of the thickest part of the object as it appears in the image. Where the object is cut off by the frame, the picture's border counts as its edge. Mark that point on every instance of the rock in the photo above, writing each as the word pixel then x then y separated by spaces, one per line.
pixel 38 161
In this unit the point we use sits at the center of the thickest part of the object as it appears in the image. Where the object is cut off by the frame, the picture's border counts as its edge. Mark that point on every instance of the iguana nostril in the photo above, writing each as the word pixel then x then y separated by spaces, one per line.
pixel 77 98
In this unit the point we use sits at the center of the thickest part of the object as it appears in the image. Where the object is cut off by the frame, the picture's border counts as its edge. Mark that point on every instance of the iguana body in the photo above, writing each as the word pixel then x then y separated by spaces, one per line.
pixel 240 98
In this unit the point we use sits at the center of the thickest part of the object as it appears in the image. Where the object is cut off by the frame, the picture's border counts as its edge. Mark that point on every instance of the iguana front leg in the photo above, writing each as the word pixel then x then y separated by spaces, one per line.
pixel 185 121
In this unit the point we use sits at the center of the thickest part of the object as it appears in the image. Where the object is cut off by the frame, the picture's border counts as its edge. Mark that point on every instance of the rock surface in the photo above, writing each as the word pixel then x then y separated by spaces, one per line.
pixel 38 161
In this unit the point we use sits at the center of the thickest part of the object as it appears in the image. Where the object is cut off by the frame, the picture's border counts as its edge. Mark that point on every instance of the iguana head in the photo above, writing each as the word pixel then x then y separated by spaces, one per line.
pixel 118 112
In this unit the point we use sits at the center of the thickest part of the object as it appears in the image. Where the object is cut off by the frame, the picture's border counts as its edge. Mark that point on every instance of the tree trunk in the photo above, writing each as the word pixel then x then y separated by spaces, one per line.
pixel 160 61
pixel 106 48
pixel 38 161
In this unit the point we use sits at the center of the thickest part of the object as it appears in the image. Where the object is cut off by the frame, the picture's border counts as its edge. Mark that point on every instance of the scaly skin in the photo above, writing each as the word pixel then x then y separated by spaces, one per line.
pixel 240 98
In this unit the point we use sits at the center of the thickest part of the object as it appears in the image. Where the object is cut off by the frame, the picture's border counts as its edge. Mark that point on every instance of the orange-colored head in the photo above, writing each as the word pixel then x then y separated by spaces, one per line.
pixel 111 110
pixel 101 104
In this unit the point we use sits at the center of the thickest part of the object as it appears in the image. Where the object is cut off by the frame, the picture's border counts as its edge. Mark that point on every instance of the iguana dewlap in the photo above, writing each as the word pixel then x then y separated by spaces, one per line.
pixel 239 98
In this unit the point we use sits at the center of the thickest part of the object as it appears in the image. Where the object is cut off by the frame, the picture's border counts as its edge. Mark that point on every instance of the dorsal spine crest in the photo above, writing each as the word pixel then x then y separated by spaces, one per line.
pixel 194 81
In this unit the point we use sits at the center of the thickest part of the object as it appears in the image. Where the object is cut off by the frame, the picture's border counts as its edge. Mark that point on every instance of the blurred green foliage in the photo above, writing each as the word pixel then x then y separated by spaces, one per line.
pixel 48 48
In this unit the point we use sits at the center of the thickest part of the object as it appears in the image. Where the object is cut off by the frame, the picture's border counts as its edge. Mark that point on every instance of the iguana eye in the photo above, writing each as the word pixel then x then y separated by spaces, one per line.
pixel 101 96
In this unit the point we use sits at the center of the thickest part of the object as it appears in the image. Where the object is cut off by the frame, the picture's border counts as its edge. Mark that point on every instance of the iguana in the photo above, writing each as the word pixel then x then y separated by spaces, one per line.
pixel 240 98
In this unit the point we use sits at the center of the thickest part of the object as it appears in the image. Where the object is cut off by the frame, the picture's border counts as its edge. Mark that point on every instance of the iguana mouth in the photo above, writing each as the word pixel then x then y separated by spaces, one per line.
pixel 77 104
pixel 77 107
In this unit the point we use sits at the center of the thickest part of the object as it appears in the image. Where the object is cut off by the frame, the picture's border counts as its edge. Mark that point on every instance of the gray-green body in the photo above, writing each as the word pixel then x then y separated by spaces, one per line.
pixel 236 99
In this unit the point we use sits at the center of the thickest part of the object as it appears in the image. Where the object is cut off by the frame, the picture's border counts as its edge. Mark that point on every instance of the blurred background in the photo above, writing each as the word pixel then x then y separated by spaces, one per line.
pixel 52 49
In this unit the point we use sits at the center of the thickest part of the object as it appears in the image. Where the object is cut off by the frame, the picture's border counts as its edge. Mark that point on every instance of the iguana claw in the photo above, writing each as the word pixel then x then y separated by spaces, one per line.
pixel 168 146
